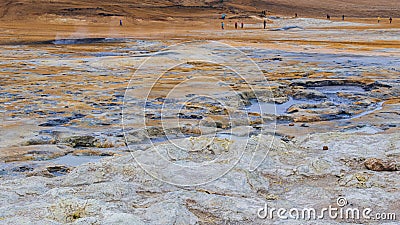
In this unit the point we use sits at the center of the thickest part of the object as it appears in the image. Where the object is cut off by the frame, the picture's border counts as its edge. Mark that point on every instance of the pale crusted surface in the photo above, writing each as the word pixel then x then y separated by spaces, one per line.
pixel 294 175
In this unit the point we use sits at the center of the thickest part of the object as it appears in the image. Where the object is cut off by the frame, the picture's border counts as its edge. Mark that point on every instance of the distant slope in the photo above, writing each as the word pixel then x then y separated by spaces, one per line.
pixel 134 8
pixel 157 9
pixel 353 8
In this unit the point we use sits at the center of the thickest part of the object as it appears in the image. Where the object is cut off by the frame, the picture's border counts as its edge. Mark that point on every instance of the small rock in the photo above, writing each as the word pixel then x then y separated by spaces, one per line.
pixel 49 171
pixel 287 138
pixel 291 124
pixel 41 140
pixel 81 141
pixel 381 165
pixel 365 102
pixel 192 116
pixel 281 100
pixel 307 118
pixel 91 152
pixel 325 148
pixel 58 170
pixel 272 197
pixel 61 120
pixel 310 94
pixel 33 152
pixel 22 168
pixel 256 121
pixel 55 122
pixel 293 109
pixel 254 114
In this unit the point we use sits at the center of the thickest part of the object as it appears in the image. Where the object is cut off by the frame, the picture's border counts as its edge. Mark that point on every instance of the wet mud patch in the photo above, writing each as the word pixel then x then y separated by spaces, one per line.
pixel 321 102
pixel 80 41
pixel 72 160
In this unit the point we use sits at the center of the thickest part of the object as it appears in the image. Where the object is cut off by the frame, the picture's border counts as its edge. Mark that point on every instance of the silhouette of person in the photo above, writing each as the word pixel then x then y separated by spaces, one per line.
pixel 120 22
pixel 265 24
pixel 390 19
pixel 236 25
pixel 241 25
pixel 222 25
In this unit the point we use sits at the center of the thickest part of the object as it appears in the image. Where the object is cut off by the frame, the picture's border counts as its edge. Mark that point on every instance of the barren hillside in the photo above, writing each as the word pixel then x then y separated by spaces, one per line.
pixel 159 9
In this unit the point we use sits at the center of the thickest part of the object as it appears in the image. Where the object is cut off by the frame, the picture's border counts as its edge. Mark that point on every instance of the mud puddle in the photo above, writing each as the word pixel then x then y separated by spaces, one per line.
pixel 72 160
pixel 321 99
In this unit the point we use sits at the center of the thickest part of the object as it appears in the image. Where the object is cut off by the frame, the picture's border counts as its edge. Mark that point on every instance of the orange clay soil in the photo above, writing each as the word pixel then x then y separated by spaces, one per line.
pixel 38 20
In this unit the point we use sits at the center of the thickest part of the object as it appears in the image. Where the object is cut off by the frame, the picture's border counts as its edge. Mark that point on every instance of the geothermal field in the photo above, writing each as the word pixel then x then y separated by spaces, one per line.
pixel 162 112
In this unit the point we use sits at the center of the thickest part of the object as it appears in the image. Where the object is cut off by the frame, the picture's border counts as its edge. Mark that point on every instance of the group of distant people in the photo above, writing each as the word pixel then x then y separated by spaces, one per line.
pixel 329 17
pixel 264 13
pixel 241 25
pixel 379 18
pixel 265 22
pixel 236 25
